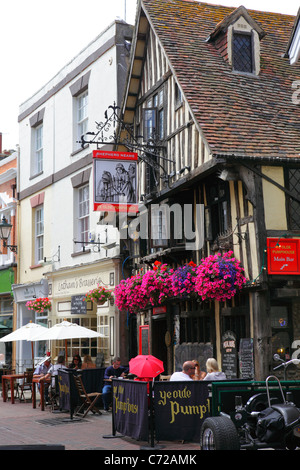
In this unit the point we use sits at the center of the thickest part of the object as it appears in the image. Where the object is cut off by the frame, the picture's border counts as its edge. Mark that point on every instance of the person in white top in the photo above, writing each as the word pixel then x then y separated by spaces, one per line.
pixel 213 372
pixel 188 370
pixel 60 364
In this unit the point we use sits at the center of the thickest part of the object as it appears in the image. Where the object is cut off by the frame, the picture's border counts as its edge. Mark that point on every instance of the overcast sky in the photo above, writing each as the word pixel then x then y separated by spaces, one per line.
pixel 38 38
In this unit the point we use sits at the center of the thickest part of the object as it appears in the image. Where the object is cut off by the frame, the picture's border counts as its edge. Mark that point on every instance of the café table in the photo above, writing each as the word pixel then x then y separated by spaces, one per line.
pixel 36 381
pixel 11 379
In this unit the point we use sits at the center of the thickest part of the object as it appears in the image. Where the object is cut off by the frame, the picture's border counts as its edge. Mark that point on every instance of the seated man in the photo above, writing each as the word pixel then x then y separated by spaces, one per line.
pixel 188 370
pixel 42 370
pixel 115 370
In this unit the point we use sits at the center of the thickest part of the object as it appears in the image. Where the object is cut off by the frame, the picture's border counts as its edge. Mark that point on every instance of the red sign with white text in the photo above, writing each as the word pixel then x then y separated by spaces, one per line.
pixel 283 255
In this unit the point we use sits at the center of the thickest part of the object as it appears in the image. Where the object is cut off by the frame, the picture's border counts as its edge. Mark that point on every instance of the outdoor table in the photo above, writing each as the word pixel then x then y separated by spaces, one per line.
pixel 36 381
pixel 11 378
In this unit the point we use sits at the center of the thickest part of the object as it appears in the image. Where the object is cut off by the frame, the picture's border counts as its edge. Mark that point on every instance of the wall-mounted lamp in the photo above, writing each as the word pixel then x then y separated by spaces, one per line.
pixel 179 172
pixel 5 229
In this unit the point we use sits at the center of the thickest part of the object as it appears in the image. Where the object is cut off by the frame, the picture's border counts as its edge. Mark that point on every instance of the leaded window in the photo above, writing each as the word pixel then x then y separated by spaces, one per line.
pixel 292 176
pixel 242 53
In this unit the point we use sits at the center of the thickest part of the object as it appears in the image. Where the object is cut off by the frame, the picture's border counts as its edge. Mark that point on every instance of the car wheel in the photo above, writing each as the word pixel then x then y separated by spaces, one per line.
pixel 219 433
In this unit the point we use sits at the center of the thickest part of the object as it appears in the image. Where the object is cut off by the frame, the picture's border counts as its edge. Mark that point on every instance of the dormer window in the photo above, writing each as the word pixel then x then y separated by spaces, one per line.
pixel 242 58
pixel 237 37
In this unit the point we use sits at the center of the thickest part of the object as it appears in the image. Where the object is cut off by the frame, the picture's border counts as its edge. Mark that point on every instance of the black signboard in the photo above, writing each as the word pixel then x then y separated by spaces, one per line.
pixel 68 395
pixel 246 358
pixel 130 408
pixel 144 340
pixel 229 355
pixel 179 409
pixel 78 305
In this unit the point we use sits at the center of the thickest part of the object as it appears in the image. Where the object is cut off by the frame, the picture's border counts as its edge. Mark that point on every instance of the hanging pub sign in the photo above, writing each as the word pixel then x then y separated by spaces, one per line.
pixel 283 256
pixel 115 181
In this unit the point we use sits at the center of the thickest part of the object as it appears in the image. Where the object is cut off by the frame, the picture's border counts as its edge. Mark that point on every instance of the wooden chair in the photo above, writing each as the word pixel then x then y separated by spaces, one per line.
pixel 26 384
pixel 54 393
pixel 164 378
pixel 87 399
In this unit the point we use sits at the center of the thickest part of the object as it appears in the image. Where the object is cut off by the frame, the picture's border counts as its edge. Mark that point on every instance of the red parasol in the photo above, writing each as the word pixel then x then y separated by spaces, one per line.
pixel 146 366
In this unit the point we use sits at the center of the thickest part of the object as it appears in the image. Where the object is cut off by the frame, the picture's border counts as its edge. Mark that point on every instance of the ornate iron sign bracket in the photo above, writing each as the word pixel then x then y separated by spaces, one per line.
pixel 108 133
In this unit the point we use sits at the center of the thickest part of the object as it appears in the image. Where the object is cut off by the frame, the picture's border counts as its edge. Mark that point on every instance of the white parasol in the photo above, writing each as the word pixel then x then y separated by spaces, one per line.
pixel 25 333
pixel 66 330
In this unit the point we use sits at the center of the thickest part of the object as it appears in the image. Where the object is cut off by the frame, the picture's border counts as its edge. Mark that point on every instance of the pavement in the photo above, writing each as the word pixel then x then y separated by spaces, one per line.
pixel 21 425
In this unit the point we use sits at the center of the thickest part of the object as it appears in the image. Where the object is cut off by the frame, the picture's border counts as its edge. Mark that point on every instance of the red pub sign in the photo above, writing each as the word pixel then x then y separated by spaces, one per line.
pixel 283 255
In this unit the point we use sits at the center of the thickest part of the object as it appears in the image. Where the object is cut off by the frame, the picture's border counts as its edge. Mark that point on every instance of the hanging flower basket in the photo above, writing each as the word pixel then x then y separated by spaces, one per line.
pixel 129 295
pixel 157 283
pixel 99 295
pixel 219 277
pixel 39 305
pixel 183 281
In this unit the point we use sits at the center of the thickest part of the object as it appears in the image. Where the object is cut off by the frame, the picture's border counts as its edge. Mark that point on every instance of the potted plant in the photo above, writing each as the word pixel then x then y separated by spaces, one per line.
pixel 99 295
pixel 157 283
pixel 129 295
pixel 39 305
pixel 183 280
pixel 219 277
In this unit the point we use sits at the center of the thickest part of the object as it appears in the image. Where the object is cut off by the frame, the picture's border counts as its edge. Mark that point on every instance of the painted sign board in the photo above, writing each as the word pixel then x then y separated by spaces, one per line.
pixel 283 255
pixel 115 181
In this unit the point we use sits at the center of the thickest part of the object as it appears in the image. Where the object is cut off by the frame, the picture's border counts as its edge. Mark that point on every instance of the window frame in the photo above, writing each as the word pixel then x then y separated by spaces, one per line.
pixel 252 58
pixel 82 103
pixel 293 223
pixel 82 218
pixel 37 143
pixel 39 234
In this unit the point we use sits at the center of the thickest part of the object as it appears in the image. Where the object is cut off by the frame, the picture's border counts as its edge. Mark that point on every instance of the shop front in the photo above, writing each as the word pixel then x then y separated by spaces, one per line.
pixel 68 289
pixel 22 294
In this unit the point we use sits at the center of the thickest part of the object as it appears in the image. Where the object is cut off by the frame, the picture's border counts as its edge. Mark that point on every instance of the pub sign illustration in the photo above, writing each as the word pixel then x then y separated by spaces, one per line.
pixel 115 181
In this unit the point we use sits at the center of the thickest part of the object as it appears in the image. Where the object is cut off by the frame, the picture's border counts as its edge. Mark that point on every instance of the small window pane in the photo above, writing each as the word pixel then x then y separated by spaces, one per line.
pixel 242 53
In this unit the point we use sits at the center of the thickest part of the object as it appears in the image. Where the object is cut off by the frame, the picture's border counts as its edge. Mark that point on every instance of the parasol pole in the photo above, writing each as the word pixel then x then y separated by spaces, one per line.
pixel 66 351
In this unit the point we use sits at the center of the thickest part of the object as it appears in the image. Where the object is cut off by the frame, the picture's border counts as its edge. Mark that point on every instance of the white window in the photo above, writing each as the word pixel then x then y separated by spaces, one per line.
pixel 39 234
pixel 82 114
pixel 37 130
pixel 83 215
pixel 38 149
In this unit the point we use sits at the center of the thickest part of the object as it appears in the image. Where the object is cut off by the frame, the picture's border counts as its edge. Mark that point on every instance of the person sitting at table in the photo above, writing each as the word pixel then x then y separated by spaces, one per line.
pixel 54 368
pixel 213 372
pixel 188 370
pixel 76 362
pixel 88 363
pixel 199 374
pixel 115 370
pixel 41 371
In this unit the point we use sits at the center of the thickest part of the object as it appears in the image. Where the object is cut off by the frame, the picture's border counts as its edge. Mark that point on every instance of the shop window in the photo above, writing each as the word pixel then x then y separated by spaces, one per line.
pixel 281 334
pixel 195 329
pixel 292 182
pixel 217 212
pixel 81 346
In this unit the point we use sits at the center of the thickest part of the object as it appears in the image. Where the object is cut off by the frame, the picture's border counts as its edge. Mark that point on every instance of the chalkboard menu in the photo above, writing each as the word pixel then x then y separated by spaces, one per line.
pixel 229 355
pixel 144 339
pixel 246 358
pixel 78 305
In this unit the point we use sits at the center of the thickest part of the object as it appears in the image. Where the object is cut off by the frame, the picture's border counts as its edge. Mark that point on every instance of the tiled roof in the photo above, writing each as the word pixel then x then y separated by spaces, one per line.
pixel 239 114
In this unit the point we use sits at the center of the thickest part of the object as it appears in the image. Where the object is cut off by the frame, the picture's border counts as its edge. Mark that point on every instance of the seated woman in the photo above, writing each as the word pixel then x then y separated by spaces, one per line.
pixel 199 374
pixel 213 372
pixel 88 363
pixel 76 362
